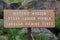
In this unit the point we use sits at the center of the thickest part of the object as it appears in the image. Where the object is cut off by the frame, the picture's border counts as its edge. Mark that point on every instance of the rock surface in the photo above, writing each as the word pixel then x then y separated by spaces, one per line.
pixel 43 4
pixel 3 6
pixel 38 31
pixel 3 37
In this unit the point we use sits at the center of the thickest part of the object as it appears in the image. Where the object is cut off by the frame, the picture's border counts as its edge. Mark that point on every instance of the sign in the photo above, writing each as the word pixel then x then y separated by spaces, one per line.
pixel 27 19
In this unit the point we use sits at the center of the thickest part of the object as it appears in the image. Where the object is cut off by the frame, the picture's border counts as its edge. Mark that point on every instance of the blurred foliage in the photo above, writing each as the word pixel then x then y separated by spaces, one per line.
pixel 41 37
pixel 22 36
pixel 16 34
pixel 58 1
pixel 57 23
pixel 1 27
pixel 9 1
pixel 12 32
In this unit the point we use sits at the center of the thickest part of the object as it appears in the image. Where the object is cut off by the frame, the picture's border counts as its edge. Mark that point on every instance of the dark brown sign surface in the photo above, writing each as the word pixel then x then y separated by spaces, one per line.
pixel 26 18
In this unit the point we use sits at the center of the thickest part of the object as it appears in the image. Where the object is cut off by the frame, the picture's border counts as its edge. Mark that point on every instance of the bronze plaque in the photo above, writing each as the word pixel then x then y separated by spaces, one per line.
pixel 29 18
